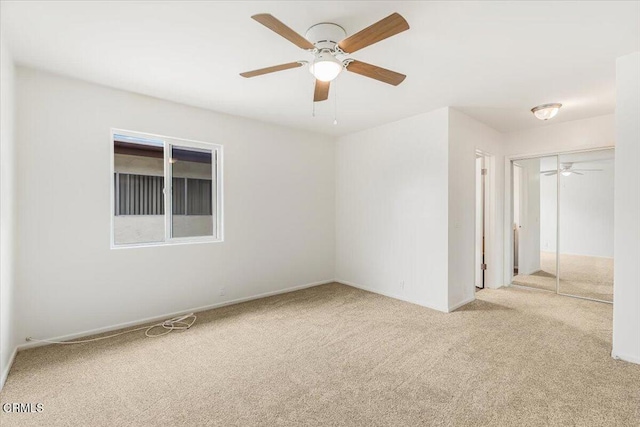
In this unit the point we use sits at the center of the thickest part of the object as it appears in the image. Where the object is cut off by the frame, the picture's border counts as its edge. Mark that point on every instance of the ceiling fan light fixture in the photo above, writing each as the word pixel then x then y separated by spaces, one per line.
pixel 546 111
pixel 325 67
pixel 566 173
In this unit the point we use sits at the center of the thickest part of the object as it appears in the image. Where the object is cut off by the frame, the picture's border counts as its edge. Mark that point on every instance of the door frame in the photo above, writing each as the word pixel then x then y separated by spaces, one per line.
pixel 479 270
pixel 492 222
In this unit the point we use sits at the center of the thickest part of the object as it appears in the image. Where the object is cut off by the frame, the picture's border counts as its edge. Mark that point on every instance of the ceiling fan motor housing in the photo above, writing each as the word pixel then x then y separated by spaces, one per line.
pixel 325 35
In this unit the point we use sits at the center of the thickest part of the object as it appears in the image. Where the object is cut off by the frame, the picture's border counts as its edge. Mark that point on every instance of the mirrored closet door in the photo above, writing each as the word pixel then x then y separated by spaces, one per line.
pixel 586 225
pixel 562 223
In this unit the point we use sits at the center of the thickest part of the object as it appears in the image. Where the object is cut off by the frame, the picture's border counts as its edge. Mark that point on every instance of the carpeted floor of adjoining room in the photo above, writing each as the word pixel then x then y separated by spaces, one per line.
pixel 583 276
pixel 335 355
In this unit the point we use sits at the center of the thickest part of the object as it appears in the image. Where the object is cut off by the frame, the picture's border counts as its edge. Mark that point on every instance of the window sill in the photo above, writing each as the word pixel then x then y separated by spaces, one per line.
pixel 174 242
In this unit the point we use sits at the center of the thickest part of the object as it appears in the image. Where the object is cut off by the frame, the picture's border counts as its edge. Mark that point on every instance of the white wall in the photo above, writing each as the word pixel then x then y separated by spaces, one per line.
pixel 8 217
pixel 529 225
pixel 397 185
pixel 279 195
pixel 584 134
pixel 549 207
pixel 466 136
pixel 595 132
pixel 626 290
pixel 586 210
pixel 392 208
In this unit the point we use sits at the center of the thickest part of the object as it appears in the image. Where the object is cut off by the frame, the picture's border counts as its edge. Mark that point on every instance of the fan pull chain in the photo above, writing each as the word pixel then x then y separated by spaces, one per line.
pixel 335 102
pixel 313 101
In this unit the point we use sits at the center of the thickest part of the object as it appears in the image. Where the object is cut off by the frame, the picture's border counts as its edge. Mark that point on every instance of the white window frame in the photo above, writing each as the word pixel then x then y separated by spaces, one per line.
pixel 216 196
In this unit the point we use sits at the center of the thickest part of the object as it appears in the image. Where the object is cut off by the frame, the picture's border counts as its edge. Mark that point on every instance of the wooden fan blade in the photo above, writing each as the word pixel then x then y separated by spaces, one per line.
pixel 374 72
pixel 550 170
pixel 387 27
pixel 278 27
pixel 577 173
pixel 550 173
pixel 273 69
pixel 321 92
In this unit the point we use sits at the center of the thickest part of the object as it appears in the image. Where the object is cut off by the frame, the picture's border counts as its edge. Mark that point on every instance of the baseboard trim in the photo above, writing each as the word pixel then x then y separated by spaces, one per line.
pixel 390 295
pixel 169 315
pixel 461 303
pixel 5 372
pixel 626 358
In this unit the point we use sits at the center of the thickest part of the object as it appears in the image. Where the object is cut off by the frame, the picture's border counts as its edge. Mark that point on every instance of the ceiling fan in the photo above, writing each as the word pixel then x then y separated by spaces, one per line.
pixel 330 47
pixel 566 169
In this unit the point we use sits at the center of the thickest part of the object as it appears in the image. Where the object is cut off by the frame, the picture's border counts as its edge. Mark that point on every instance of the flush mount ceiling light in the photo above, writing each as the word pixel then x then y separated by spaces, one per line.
pixel 546 111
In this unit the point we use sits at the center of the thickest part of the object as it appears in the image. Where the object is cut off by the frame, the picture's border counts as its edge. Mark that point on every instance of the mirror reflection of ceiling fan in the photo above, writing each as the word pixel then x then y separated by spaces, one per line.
pixel 566 169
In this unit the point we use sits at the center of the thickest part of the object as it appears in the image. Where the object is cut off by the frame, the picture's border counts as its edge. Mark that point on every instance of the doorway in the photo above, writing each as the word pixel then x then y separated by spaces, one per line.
pixel 562 223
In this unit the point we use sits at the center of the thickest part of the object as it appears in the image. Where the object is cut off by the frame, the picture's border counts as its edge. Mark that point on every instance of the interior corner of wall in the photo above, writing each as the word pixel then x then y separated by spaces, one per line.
pixel 454 306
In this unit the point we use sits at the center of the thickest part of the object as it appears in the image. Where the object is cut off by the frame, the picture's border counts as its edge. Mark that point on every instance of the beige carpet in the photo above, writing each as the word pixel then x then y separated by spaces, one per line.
pixel 585 276
pixel 334 355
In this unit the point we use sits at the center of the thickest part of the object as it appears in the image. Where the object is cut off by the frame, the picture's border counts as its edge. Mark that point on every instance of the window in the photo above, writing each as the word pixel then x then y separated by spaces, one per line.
pixel 147 212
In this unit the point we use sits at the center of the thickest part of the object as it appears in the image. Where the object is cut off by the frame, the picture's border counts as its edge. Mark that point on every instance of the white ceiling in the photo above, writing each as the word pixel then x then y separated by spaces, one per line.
pixel 492 60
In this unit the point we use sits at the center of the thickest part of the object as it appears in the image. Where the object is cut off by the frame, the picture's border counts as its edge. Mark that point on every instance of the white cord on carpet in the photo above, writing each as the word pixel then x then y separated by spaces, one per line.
pixel 179 323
